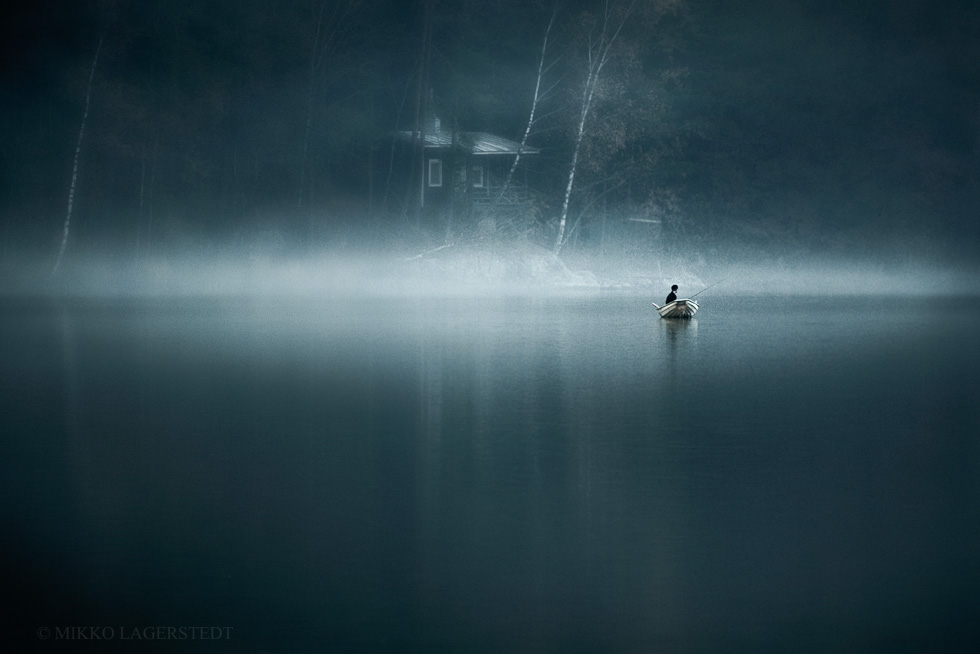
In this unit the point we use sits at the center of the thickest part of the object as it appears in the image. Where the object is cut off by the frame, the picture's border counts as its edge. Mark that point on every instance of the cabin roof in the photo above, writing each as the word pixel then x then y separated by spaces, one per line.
pixel 472 142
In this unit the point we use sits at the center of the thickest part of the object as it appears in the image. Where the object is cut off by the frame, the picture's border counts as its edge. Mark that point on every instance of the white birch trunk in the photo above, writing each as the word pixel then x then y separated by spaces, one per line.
pixel 583 116
pixel 534 107
pixel 599 52
pixel 78 154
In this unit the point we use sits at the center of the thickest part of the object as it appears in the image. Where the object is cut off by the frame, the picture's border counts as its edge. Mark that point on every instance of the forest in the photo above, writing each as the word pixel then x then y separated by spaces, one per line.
pixel 667 129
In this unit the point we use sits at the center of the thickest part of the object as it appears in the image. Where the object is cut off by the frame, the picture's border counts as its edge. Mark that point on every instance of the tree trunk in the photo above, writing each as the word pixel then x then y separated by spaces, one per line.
pixel 421 106
pixel 579 135
pixel 315 54
pixel 391 149
pixel 534 107
pixel 330 30
pixel 78 154
pixel 599 50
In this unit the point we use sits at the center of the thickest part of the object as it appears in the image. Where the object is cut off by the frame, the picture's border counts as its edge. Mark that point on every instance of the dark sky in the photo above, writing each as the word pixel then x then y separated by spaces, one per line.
pixel 824 114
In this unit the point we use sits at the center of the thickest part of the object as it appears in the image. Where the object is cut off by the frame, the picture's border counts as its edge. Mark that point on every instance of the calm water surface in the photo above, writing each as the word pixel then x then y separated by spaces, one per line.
pixel 489 475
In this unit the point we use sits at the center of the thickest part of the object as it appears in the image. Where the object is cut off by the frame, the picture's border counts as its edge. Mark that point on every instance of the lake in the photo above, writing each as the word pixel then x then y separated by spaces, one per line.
pixel 565 474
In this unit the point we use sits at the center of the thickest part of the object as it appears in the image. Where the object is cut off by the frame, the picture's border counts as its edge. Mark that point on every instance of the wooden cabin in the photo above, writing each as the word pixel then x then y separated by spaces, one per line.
pixel 458 176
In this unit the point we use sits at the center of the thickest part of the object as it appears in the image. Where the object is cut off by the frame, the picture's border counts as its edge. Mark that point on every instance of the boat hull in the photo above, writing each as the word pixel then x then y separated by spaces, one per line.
pixel 678 309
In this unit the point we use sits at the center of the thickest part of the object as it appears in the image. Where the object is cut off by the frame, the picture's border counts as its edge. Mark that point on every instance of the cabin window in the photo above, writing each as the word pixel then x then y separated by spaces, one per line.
pixel 435 172
pixel 476 174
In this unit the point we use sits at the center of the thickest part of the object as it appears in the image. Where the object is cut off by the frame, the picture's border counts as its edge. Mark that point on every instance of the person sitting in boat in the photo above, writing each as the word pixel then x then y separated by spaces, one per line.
pixel 673 294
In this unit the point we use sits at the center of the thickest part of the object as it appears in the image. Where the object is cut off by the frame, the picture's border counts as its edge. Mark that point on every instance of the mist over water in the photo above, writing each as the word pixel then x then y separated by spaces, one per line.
pixel 488 272
pixel 311 372
pixel 495 473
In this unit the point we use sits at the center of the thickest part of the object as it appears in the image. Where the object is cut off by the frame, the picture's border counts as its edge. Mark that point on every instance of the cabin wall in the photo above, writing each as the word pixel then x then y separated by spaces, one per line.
pixel 400 185
pixel 456 187
pixel 437 185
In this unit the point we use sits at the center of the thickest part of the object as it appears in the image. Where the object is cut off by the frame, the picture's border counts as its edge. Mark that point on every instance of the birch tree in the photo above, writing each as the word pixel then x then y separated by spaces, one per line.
pixel 601 36
pixel 78 155
pixel 539 95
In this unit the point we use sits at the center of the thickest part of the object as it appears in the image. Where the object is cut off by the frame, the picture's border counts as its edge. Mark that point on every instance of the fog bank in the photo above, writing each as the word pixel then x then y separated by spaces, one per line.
pixel 459 271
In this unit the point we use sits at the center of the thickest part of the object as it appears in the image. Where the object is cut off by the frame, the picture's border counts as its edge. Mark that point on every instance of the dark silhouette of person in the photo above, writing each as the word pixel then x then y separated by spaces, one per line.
pixel 673 294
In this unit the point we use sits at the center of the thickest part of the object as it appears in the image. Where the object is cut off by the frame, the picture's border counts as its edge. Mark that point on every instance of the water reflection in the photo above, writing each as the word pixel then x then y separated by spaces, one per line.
pixel 525 477
pixel 679 331
pixel 68 348
pixel 679 335
pixel 549 471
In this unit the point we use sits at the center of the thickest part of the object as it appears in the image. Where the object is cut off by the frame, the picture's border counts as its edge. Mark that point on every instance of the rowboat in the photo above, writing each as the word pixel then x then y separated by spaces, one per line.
pixel 677 309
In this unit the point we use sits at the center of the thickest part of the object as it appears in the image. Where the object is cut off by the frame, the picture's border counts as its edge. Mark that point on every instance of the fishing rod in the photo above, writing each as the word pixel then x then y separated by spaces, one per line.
pixel 706 288
pixel 695 295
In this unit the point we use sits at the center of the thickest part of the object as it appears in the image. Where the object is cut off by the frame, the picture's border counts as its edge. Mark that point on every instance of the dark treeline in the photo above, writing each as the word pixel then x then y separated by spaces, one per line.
pixel 806 125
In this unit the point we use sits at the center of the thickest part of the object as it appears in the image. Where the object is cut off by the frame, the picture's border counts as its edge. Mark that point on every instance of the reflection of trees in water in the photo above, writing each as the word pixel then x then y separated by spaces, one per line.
pixel 491 448
pixel 71 374
pixel 528 437
pixel 519 451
